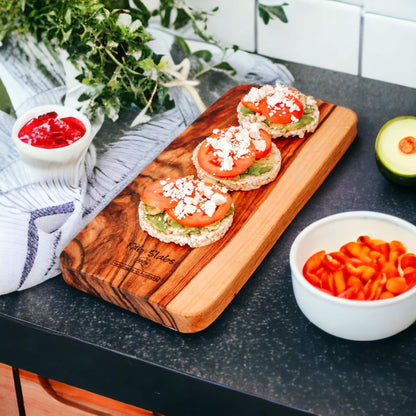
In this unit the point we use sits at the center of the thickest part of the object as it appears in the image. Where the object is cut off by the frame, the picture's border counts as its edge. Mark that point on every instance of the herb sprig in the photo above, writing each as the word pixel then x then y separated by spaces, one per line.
pixel 109 48
pixel 108 44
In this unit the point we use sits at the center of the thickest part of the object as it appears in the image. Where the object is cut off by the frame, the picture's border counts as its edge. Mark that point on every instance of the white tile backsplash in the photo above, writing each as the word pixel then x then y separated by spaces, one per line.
pixel 389 50
pixel 372 38
pixel 355 2
pixel 233 22
pixel 402 9
pixel 319 33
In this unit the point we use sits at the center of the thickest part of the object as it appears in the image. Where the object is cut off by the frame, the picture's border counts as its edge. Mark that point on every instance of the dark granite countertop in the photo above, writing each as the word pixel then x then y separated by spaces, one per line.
pixel 261 352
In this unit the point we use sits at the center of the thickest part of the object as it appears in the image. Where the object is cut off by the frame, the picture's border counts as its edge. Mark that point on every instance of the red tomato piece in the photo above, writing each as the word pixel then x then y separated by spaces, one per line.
pixel 251 106
pixel 268 140
pixel 212 163
pixel 281 111
pixel 153 194
pixel 199 218
pixel 295 92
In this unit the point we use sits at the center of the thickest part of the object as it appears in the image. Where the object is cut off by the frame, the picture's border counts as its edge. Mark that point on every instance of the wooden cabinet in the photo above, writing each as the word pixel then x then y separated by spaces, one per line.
pixel 8 399
pixel 44 397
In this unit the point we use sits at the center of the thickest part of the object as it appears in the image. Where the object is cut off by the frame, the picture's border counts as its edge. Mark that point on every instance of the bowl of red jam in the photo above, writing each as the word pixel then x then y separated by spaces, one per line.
pixel 52 136
pixel 354 274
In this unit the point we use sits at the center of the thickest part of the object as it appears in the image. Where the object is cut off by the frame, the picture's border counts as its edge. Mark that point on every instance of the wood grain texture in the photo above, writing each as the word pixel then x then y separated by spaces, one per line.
pixel 187 289
pixel 46 397
pixel 8 399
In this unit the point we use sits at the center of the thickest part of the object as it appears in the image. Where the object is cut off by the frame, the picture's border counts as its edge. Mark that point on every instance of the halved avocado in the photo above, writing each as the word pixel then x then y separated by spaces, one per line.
pixel 395 150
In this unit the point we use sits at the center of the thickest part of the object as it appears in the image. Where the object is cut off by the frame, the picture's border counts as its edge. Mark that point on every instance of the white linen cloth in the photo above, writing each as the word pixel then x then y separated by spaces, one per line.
pixel 39 218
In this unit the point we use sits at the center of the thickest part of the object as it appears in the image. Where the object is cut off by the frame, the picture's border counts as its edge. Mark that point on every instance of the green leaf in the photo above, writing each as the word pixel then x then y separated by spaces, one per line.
pixel 182 18
pixel 204 54
pixel 68 17
pixel 225 66
pixel 272 12
pixel 66 35
pixel 180 41
pixel 84 97
pixel 264 14
pixel 165 16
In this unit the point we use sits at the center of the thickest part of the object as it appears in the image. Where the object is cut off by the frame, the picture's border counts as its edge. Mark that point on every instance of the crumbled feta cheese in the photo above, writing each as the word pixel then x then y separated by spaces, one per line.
pixel 280 99
pixel 208 192
pixel 218 199
pixel 256 94
pixel 194 196
pixel 259 144
pixel 179 208
pixel 229 144
pixel 209 208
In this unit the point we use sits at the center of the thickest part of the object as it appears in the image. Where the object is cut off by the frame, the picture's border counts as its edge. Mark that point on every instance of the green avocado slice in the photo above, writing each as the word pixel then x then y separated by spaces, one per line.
pixel 395 150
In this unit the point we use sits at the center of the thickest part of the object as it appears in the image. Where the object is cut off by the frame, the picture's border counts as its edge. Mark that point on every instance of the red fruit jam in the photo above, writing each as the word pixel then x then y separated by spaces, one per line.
pixel 50 132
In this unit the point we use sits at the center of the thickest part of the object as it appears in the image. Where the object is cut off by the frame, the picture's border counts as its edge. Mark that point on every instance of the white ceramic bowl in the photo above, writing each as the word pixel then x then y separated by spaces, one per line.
pixel 52 158
pixel 345 318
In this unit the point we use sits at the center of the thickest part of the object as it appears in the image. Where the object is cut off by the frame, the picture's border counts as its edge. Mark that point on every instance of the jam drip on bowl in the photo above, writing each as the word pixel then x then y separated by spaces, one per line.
pixel 50 132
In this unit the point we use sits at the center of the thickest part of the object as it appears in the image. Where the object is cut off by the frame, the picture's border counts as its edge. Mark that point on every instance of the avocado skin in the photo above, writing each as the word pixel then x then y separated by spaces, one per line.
pixel 402 180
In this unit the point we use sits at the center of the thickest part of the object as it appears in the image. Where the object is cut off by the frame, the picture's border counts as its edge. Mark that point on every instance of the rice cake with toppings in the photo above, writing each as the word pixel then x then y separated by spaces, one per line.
pixel 219 158
pixel 306 123
pixel 185 211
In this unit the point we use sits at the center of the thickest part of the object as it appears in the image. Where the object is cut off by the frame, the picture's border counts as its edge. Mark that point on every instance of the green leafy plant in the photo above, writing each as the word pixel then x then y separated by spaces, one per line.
pixel 184 15
pixel 109 48
pixel 107 43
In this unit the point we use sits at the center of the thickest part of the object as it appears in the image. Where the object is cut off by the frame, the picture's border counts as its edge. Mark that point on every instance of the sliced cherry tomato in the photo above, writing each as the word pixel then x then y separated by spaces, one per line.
pixel 295 92
pixel 268 140
pixel 200 218
pixel 153 194
pixel 251 105
pixel 212 163
pixel 281 112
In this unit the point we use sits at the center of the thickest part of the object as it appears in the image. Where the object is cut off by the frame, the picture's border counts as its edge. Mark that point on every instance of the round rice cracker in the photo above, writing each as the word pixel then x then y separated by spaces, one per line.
pixel 248 182
pixel 275 132
pixel 174 235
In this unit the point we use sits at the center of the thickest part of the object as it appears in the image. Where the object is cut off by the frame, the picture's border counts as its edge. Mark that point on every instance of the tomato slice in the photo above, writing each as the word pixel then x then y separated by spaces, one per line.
pixel 153 194
pixel 264 136
pixel 281 111
pixel 294 92
pixel 251 105
pixel 199 218
pixel 188 201
pixel 216 161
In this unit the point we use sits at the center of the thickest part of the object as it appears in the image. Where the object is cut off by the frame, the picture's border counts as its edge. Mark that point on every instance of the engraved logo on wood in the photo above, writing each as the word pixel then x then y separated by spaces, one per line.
pixel 148 260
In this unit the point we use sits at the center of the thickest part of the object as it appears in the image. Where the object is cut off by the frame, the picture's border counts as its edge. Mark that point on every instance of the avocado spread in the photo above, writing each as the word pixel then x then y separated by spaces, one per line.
pixel 304 120
pixel 160 221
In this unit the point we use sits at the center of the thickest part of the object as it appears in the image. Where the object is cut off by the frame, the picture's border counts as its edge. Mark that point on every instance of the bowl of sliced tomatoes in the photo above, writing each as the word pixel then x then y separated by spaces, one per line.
pixel 354 274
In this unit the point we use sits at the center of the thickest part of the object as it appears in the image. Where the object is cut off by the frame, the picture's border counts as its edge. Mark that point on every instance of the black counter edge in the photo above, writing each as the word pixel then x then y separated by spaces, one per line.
pixel 124 378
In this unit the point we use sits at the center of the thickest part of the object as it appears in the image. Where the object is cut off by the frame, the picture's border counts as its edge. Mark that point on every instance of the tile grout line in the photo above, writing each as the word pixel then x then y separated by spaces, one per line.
pixel 360 42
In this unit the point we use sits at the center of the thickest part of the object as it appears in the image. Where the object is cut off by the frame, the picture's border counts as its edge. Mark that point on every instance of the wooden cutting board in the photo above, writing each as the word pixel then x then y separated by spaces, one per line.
pixel 187 289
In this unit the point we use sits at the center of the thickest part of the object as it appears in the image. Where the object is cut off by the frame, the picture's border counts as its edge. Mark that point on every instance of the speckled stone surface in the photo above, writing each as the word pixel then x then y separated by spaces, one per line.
pixel 261 344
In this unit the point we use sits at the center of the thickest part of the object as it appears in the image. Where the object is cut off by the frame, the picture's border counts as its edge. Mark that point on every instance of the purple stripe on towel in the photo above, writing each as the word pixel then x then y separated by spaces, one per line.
pixel 33 236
